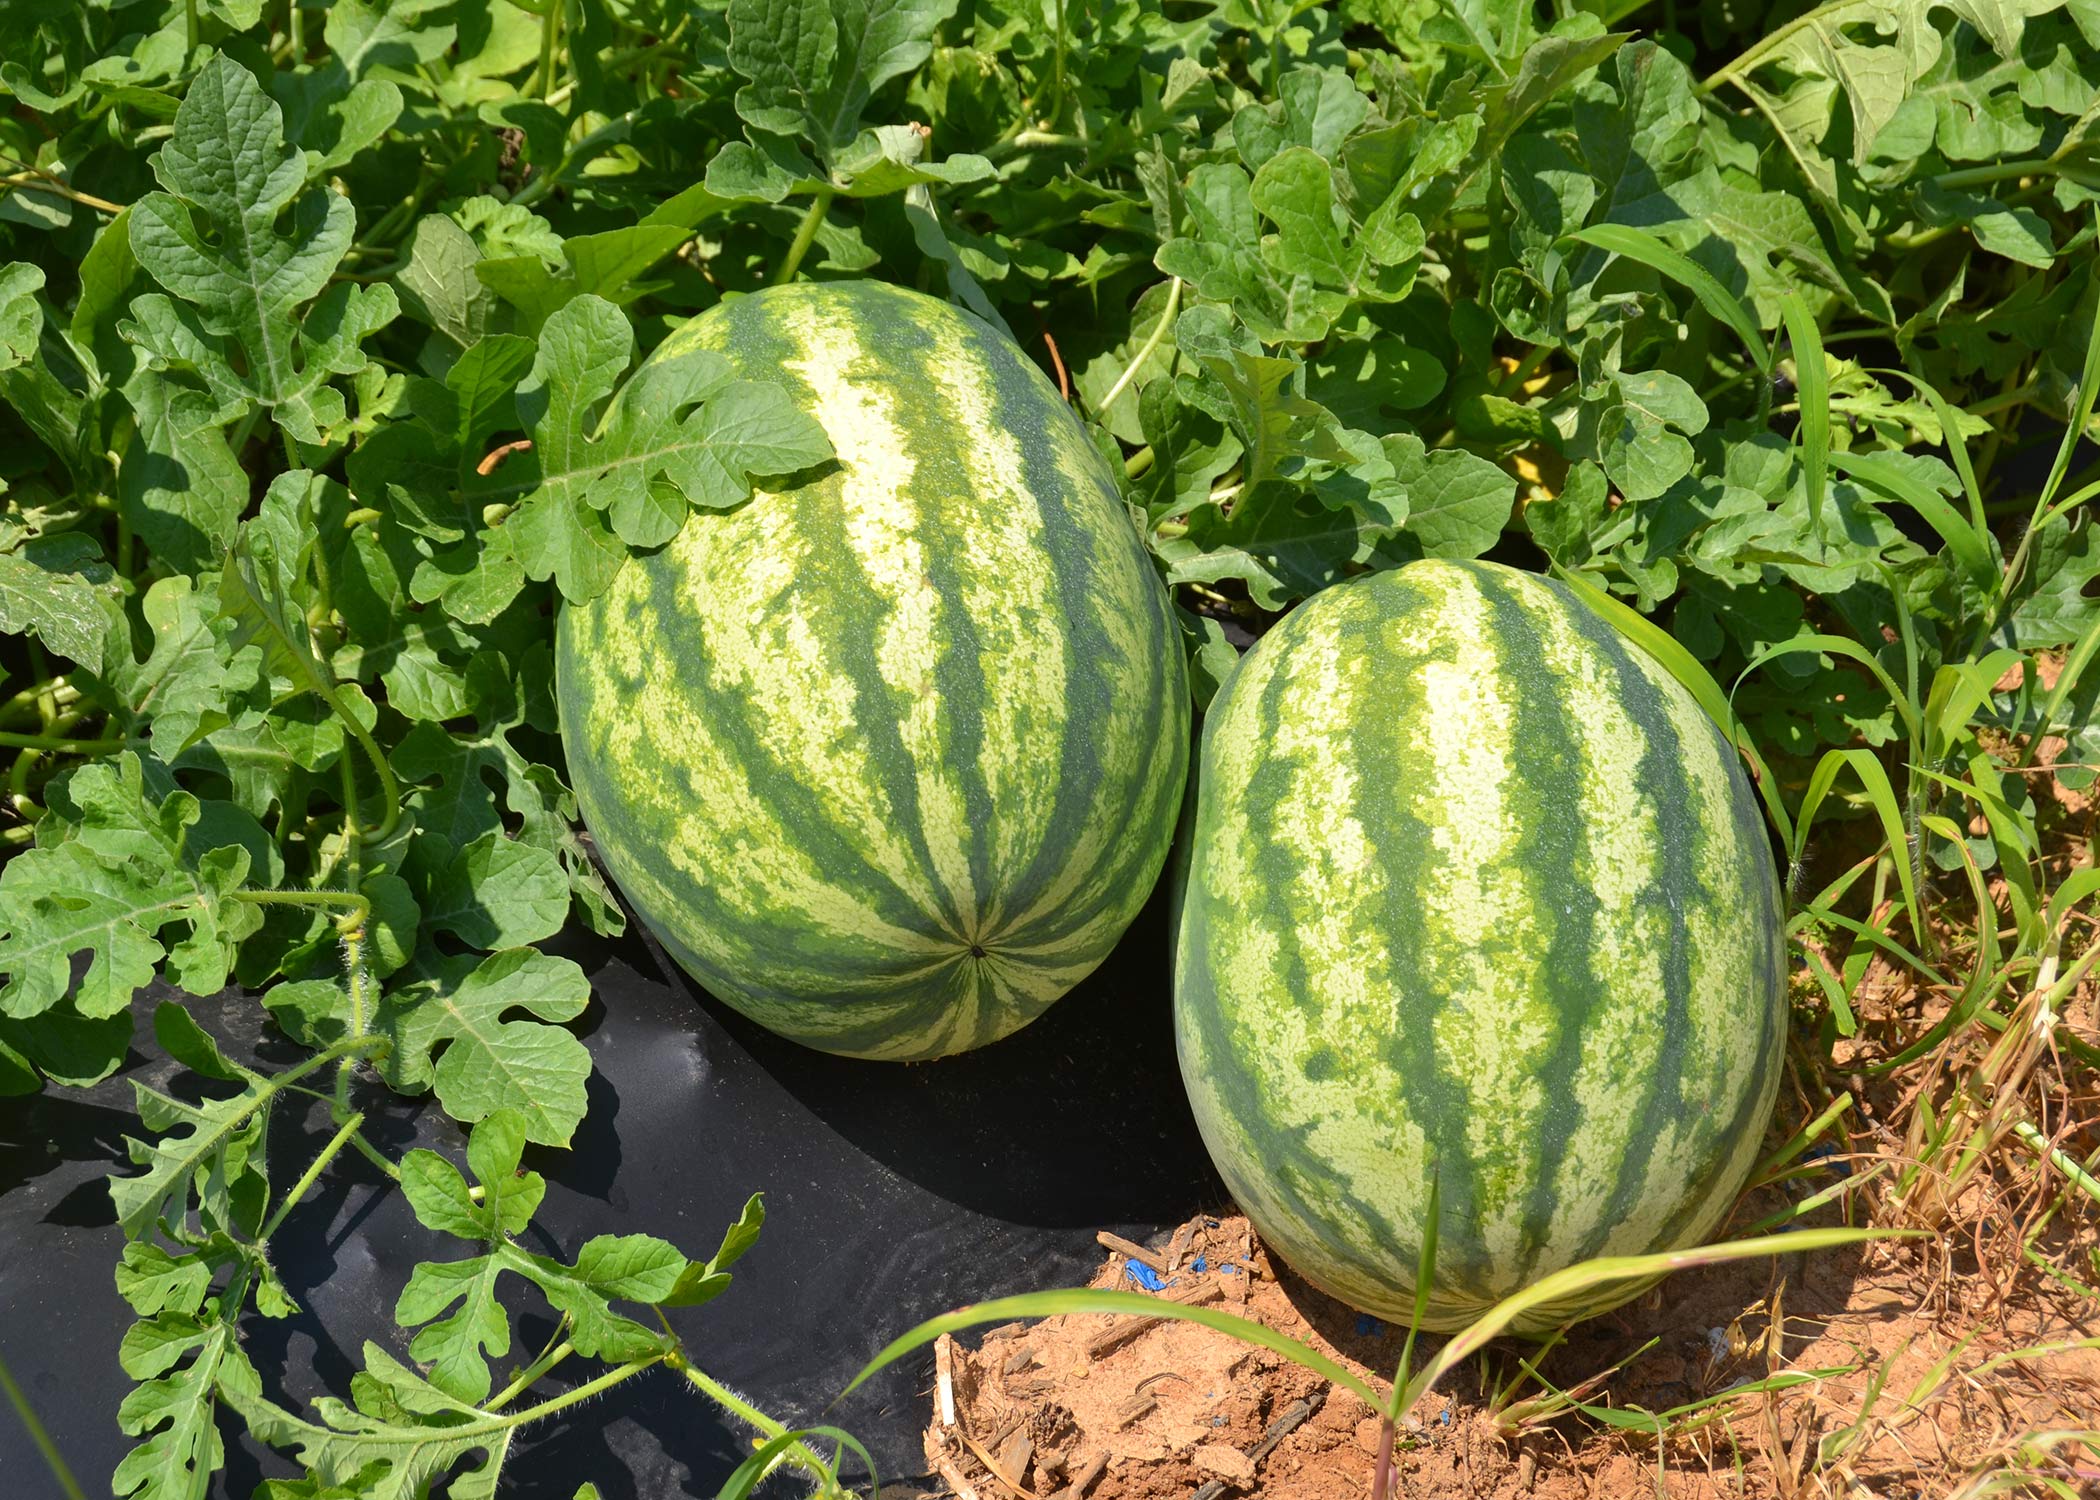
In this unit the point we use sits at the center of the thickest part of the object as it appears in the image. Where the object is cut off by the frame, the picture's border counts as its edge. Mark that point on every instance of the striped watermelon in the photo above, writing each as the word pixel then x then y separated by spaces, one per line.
pixel 1477 889
pixel 889 759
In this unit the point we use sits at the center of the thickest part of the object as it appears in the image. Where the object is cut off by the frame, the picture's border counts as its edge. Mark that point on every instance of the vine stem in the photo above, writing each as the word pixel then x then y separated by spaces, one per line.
pixel 59 742
pixel 1996 172
pixel 738 1407
pixel 805 233
pixel 313 1172
pixel 1159 331
pixel 348 900
pixel 548 1359
pixel 550 28
pixel 39 182
pixel 566 1399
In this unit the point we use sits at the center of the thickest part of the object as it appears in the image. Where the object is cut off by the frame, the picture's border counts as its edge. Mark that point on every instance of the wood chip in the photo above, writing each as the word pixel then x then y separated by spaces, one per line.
pixel 944 1377
pixel 1133 1409
pixel 1129 1328
pixel 1133 1250
pixel 1020 1360
pixel 1010 1484
pixel 1211 1490
pixel 1014 1454
pixel 1084 1478
pixel 1178 1247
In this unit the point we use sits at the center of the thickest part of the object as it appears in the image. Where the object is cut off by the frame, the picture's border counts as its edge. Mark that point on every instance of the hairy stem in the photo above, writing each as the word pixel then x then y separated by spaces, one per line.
pixel 738 1407
pixel 805 233
pixel 312 1174
pixel 1159 331
pixel 548 1358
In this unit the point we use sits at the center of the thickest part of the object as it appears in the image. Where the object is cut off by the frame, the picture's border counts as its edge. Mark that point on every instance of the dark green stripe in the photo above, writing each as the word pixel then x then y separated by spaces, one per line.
pixel 1552 854
pixel 1230 1029
pixel 1659 1100
pixel 1096 675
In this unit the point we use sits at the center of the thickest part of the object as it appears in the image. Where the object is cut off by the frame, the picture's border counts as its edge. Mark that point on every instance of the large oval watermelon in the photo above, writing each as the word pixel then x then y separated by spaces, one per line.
pixel 890 758
pixel 1476 890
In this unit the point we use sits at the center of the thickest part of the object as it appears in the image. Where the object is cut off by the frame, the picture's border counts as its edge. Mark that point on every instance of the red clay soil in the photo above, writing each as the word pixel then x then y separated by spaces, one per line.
pixel 1094 1407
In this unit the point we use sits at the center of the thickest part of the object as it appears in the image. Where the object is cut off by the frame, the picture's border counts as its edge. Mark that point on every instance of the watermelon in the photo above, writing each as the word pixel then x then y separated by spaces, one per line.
pixel 887 758
pixel 1476 892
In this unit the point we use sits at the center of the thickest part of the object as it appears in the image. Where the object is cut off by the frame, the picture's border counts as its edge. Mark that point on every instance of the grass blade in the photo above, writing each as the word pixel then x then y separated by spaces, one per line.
pixel 1136 1304
pixel 1845 646
pixel 1812 394
pixel 2081 415
pixel 1618 1269
pixel 754 1469
pixel 2075 662
pixel 1957 445
pixel 1971 551
pixel 1881 794
pixel 1646 247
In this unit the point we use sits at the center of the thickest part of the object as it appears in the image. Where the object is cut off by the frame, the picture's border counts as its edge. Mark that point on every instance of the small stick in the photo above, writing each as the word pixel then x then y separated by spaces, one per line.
pixel 497 455
pixel 1286 1424
pixel 1064 384
pixel 1130 1328
pixel 1084 1477
pixel 1133 1250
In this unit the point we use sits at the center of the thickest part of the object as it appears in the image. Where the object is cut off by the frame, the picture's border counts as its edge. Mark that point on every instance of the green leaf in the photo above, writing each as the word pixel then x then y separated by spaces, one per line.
pixel 212 239
pixel 1644 434
pixel 608 1268
pixel 588 489
pixel 153 1280
pixel 181 486
pixel 59 588
pixel 130 869
pixel 1294 190
pixel 174 1413
pixel 499 893
pixel 814 64
pixel 211 1152
pixel 452 1033
pixel 703 1281
pixel 402 1435
pixel 1457 502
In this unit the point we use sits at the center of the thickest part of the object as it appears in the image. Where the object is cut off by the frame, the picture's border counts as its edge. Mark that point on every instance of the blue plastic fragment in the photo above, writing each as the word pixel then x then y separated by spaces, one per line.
pixel 1199 1264
pixel 1368 1326
pixel 1827 1153
pixel 1145 1276
pixel 1447 1416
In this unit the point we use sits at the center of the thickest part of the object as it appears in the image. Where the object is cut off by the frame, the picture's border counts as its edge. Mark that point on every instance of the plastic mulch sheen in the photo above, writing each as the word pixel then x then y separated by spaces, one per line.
pixel 892 1193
